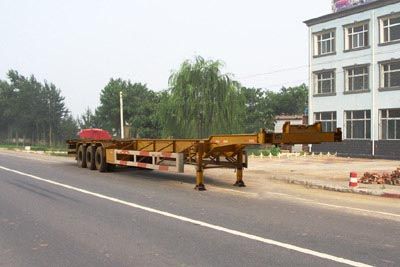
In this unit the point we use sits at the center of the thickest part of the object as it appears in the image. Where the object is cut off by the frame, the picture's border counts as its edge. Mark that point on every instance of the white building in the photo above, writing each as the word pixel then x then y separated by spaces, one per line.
pixel 354 72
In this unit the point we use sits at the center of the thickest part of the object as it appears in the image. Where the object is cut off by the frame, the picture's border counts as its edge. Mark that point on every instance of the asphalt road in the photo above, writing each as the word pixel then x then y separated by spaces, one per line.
pixel 55 214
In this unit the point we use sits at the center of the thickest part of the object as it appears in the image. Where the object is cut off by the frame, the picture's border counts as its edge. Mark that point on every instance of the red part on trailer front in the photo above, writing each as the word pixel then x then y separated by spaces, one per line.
pixel 94 134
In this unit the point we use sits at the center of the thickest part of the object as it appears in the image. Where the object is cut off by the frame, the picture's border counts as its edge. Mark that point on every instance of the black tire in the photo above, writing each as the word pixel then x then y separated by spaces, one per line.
pixel 81 156
pixel 90 157
pixel 100 159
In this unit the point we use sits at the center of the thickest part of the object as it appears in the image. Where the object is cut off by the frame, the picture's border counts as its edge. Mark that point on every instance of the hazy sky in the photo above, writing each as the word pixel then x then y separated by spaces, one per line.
pixel 80 45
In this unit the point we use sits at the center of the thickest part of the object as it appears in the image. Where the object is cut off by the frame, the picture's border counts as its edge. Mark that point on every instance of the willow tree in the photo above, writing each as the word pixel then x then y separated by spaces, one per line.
pixel 201 101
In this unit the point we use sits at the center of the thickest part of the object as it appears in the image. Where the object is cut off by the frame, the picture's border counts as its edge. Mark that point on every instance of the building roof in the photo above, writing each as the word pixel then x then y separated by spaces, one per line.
pixel 350 11
pixel 289 117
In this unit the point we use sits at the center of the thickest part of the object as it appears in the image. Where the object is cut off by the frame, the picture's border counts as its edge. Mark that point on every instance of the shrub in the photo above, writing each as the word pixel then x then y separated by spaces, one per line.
pixel 275 151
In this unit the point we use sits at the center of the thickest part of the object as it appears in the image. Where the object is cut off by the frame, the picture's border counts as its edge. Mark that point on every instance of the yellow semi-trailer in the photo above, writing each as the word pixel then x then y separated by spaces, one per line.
pixel 218 151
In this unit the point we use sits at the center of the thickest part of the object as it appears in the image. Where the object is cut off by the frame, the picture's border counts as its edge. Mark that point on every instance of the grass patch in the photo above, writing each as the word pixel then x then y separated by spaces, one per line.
pixel 58 153
pixel 274 151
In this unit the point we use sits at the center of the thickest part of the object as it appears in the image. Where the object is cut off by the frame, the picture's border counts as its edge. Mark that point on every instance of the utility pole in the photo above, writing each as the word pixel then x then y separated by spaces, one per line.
pixel 121 106
pixel 16 90
pixel 50 129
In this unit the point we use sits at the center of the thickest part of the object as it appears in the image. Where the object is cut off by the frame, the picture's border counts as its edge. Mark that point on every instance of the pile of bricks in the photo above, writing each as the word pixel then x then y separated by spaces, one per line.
pixel 384 178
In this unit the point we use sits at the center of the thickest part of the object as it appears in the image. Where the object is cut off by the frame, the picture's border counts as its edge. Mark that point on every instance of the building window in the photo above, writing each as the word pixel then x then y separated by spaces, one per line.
pixel 324 82
pixel 390 124
pixel 357 78
pixel 324 43
pixel 390 74
pixel 327 119
pixel 358 124
pixel 390 29
pixel 356 36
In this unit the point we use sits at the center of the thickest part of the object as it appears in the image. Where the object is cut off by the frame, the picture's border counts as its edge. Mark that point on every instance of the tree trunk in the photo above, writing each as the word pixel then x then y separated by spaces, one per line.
pixel 37 133
pixel 50 136
pixel 9 137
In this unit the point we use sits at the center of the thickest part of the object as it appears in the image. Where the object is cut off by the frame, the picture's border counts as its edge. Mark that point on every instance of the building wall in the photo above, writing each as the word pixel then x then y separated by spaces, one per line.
pixel 347 148
pixel 373 100
pixel 384 149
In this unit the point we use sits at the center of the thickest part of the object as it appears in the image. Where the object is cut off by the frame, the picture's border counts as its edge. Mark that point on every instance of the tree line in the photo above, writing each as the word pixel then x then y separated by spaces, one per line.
pixel 32 112
pixel 200 101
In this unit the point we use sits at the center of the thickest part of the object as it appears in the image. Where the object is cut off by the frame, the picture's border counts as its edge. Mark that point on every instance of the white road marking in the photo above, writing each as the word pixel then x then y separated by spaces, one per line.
pixel 196 222
pixel 233 191
pixel 335 206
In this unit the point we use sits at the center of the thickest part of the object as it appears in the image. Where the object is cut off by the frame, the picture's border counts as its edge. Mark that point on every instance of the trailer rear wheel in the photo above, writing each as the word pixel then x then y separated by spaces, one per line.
pixel 100 160
pixel 81 157
pixel 90 157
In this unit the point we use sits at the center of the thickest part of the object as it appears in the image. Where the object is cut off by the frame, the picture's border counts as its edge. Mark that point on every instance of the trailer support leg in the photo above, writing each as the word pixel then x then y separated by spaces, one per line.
pixel 200 181
pixel 239 170
pixel 199 170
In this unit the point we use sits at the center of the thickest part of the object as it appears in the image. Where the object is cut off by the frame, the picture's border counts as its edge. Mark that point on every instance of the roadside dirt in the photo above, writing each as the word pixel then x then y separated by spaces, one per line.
pixel 325 168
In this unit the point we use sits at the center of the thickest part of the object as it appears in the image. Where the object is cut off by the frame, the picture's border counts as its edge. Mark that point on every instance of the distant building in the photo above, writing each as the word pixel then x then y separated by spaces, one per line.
pixel 354 68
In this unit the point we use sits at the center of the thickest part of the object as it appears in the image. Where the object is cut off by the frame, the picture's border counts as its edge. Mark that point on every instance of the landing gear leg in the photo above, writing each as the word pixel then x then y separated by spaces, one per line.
pixel 200 181
pixel 200 170
pixel 239 170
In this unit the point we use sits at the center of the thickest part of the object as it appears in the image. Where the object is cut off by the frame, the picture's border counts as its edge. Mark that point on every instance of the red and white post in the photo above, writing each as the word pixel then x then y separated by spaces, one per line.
pixel 353 182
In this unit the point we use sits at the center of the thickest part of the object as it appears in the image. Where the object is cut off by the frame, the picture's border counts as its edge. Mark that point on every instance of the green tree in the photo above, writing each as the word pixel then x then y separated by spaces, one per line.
pixel 6 111
pixel 142 112
pixel 31 110
pixel 88 120
pixel 290 101
pixel 201 101
pixel 140 108
pixel 68 128
pixel 108 111
pixel 259 114
pixel 55 110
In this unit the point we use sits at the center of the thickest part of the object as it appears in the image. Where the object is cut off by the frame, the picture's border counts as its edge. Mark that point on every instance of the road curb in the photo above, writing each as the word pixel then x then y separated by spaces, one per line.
pixel 391 195
pixel 361 191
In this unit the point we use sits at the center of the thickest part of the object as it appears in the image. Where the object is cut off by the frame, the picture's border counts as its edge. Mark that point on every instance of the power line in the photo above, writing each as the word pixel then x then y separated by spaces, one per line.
pixel 282 85
pixel 272 72
pixel 307 66
pixel 301 80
